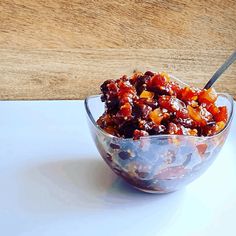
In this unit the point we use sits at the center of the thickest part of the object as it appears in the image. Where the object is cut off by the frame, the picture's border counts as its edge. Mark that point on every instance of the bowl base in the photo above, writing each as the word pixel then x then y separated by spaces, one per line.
pixel 154 191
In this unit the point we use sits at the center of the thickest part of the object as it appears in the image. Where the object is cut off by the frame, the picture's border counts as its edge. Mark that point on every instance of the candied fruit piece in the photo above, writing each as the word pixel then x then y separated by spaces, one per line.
pixel 151 127
pixel 156 116
pixel 105 120
pixel 125 111
pixel 175 129
pixel 212 108
pixel 172 104
pixel 207 116
pixel 139 133
pixel 110 130
pixel 196 116
pixel 158 129
pixel 146 94
pixel 186 122
pixel 150 102
pixel 112 87
pixel 158 80
pixel 207 96
pixel 172 172
pixel 188 93
pixel 201 148
pixel 165 75
pixel 222 114
pixel 173 89
pixel 220 125
pixel 210 129
pixel 192 132
pixel 126 94
pixel 134 77
pixel 165 102
pixel 182 113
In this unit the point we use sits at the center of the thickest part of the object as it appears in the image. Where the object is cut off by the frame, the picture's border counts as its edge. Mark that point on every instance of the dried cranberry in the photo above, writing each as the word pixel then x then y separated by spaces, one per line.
pixel 139 133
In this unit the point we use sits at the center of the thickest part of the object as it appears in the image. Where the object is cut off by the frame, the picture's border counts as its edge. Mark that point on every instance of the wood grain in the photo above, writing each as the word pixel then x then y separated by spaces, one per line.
pixel 60 49
pixel 75 74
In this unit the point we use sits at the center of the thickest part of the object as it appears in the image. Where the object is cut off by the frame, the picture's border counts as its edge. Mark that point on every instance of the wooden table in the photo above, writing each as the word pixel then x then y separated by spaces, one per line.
pixel 60 49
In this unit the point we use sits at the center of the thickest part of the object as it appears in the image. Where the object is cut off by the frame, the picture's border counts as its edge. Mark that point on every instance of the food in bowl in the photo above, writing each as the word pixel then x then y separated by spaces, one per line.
pixel 158 160
pixel 152 104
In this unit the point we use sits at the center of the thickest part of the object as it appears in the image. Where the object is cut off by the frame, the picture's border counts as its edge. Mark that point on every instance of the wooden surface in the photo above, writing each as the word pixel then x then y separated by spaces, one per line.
pixel 60 49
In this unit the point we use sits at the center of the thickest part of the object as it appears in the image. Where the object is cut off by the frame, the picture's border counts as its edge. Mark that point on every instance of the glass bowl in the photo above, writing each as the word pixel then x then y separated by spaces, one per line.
pixel 157 163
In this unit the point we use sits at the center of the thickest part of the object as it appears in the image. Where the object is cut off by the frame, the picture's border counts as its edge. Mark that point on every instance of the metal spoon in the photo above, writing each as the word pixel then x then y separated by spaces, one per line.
pixel 221 70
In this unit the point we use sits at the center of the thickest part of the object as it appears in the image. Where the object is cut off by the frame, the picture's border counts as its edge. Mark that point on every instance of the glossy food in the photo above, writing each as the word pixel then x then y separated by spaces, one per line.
pixel 163 145
pixel 152 104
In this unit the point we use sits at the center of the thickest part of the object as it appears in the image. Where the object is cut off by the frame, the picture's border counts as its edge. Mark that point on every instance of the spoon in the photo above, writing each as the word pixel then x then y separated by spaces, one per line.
pixel 221 70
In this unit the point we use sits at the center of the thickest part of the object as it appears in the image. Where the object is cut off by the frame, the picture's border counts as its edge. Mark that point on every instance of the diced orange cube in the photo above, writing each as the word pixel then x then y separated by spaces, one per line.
pixel 220 125
pixel 212 108
pixel 156 116
pixel 146 94
pixel 192 132
pixel 194 114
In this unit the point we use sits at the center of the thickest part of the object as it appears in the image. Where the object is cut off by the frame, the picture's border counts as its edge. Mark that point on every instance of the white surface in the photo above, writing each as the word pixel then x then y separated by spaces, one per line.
pixel 53 182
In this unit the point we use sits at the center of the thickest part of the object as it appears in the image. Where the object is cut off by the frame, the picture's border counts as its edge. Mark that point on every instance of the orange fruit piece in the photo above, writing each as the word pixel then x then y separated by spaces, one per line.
pixel 194 114
pixel 208 96
pixel 156 116
pixel 146 94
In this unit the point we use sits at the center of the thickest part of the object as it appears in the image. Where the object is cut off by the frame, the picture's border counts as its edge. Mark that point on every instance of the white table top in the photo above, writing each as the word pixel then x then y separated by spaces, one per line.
pixel 53 182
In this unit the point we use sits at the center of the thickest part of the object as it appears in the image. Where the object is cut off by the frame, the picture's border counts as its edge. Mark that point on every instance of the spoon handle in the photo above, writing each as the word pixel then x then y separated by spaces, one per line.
pixel 221 70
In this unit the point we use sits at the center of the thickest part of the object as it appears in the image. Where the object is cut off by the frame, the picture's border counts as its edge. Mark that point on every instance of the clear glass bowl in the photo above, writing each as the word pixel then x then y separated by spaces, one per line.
pixel 158 163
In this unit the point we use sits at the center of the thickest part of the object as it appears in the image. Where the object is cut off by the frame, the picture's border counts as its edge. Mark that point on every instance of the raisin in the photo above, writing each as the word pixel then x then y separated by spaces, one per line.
pixel 109 157
pixel 114 146
pixel 149 73
pixel 124 155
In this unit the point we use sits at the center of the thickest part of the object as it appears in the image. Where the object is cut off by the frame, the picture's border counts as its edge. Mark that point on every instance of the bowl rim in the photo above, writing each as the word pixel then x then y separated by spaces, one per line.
pixel 161 136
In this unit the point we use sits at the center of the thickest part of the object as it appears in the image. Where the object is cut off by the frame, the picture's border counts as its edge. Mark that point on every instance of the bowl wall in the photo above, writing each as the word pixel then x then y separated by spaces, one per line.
pixel 159 163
